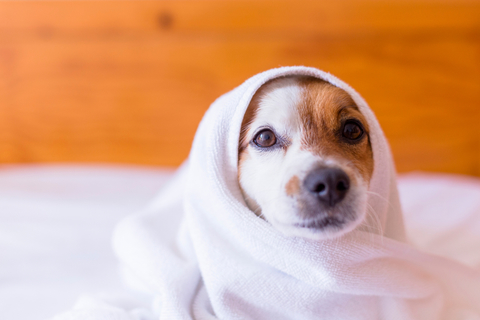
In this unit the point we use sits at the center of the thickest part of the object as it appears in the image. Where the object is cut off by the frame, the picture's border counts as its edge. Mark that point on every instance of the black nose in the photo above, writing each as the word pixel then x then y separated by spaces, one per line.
pixel 329 185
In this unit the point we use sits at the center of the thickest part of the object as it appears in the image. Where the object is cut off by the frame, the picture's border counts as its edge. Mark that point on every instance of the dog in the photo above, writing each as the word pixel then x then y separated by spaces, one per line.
pixel 305 158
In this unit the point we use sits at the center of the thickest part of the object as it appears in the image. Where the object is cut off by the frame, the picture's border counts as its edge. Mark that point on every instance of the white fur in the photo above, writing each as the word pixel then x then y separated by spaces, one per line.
pixel 264 175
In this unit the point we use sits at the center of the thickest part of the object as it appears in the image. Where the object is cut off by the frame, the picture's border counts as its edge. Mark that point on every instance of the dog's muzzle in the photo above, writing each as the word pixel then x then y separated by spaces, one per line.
pixel 328 185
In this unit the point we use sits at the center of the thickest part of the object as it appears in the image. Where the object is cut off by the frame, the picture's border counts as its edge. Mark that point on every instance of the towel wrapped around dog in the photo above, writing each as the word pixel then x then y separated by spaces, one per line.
pixel 202 254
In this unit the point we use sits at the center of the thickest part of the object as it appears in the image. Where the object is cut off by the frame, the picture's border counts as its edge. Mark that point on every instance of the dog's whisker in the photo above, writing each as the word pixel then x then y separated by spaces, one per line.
pixel 376 220
pixel 371 220
pixel 382 198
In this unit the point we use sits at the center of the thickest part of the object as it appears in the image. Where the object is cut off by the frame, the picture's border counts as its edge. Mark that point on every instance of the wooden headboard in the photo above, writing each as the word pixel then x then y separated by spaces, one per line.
pixel 128 81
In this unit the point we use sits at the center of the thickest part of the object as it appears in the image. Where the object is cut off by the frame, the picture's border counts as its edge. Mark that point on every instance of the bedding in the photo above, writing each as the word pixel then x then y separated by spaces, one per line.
pixel 454 202
pixel 56 224
pixel 55 229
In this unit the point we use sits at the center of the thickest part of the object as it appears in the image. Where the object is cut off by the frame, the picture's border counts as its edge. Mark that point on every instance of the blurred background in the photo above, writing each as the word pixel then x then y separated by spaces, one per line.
pixel 128 81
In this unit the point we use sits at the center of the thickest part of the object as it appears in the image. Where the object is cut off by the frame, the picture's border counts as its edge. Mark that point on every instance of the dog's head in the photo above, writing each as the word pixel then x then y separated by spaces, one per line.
pixel 305 158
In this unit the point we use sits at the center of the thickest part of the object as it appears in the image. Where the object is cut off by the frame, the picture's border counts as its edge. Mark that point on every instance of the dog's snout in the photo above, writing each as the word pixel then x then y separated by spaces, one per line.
pixel 329 185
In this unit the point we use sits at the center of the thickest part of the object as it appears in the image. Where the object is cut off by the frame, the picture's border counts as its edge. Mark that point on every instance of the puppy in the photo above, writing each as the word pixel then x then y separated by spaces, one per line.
pixel 305 158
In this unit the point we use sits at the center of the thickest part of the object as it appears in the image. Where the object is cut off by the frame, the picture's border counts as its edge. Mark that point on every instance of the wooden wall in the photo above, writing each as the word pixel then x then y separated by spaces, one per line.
pixel 128 81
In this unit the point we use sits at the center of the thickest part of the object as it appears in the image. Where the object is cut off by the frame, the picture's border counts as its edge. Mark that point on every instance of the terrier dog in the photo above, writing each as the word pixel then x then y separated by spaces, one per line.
pixel 305 158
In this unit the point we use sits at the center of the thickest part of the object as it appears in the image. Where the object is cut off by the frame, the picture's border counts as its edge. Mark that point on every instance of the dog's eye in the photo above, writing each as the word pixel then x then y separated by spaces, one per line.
pixel 352 130
pixel 265 138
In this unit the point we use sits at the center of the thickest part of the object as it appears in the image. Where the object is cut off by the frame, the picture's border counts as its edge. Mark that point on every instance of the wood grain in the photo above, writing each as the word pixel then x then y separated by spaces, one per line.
pixel 128 81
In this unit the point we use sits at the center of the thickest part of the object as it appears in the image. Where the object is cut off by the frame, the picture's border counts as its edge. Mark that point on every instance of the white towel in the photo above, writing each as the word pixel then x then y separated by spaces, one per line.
pixel 203 254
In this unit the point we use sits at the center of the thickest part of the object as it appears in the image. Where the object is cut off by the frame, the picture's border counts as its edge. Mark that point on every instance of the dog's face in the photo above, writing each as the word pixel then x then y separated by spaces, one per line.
pixel 305 159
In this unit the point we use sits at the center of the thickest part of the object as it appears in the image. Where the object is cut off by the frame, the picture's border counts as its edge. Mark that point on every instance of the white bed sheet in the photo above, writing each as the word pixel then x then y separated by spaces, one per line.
pixel 455 202
pixel 56 224
pixel 55 228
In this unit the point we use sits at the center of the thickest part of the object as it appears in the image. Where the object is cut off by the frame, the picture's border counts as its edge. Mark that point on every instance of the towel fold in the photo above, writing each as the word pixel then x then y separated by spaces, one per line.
pixel 202 254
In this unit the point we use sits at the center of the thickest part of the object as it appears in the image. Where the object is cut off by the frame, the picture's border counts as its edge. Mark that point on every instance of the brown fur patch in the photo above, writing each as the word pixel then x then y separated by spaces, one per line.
pixel 248 118
pixel 293 186
pixel 323 110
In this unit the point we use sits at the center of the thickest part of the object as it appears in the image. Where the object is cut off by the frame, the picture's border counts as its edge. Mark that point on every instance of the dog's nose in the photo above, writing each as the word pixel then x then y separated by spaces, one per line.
pixel 329 185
